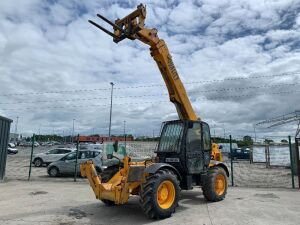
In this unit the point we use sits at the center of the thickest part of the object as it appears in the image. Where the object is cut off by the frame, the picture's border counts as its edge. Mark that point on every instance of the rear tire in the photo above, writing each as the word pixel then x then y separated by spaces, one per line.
pixel 215 184
pixel 38 162
pixel 160 194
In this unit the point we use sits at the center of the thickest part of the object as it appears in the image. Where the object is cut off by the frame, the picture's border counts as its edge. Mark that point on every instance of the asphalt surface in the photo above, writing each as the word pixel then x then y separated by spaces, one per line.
pixel 54 202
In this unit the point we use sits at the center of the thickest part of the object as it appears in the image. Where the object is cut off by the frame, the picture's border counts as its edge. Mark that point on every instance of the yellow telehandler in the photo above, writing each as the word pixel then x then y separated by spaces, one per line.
pixel 185 156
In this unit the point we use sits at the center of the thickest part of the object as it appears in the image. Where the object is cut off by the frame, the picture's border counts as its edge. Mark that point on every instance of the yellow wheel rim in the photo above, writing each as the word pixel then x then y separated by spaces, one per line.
pixel 220 184
pixel 165 194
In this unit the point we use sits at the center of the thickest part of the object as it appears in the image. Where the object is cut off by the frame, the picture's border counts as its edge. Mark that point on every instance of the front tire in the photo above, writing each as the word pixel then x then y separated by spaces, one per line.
pixel 215 184
pixel 160 194
pixel 108 173
pixel 53 171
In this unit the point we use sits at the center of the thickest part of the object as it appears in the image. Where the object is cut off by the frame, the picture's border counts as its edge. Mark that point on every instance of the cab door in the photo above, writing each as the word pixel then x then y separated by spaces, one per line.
pixel 194 153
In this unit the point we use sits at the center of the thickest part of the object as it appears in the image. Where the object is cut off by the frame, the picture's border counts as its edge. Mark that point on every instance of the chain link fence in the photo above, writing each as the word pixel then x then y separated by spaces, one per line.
pixel 258 165
pixel 262 164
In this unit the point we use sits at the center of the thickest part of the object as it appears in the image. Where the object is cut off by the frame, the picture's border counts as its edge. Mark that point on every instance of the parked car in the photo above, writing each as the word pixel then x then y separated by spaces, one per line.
pixel 50 156
pixel 66 165
pixel 29 144
pixel 240 153
pixel 11 149
pixel 92 147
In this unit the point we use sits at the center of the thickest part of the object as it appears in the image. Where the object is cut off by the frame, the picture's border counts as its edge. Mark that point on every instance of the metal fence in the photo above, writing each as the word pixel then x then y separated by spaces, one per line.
pixel 268 165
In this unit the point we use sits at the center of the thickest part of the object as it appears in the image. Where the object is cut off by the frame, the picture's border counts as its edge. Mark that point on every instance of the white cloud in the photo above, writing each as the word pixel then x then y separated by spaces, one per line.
pixel 50 46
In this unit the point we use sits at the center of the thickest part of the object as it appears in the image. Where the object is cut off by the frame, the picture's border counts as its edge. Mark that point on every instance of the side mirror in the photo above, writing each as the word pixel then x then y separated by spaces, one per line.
pixel 190 124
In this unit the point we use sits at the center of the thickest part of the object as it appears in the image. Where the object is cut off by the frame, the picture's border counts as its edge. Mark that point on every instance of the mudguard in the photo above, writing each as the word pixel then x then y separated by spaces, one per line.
pixel 213 163
pixel 153 168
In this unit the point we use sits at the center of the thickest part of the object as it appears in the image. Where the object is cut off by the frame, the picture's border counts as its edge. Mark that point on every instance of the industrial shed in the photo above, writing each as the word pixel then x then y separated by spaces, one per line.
pixel 4 136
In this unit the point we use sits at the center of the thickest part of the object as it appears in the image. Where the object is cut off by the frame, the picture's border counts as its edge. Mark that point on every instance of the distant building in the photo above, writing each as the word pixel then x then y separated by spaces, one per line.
pixel 99 138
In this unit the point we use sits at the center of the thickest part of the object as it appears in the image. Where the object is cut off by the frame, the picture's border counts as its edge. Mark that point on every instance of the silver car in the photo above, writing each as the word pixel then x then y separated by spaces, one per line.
pixel 50 156
pixel 66 165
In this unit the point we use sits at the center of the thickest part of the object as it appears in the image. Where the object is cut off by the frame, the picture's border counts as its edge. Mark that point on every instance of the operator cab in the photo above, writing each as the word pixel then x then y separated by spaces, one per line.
pixel 186 145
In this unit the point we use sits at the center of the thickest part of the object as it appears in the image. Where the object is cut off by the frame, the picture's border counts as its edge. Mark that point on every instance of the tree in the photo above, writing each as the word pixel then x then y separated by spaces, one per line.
pixel 268 141
pixel 284 141
pixel 247 140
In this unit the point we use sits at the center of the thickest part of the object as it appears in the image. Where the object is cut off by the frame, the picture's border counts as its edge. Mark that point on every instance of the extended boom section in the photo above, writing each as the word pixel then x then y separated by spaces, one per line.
pixel 132 27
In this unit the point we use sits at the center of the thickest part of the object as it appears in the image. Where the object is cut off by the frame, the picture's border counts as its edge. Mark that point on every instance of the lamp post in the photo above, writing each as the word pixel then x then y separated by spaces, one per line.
pixel 16 130
pixel 254 133
pixel 125 132
pixel 110 113
pixel 73 131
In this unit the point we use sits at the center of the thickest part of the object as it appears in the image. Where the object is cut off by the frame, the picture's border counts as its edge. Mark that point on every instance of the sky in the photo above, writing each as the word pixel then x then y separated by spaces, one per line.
pixel 239 61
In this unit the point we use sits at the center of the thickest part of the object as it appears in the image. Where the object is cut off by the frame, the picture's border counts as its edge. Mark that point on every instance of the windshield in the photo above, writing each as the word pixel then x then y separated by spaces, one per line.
pixel 171 138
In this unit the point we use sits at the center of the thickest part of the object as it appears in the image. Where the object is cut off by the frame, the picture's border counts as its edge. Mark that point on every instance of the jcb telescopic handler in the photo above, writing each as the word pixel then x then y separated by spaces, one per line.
pixel 186 157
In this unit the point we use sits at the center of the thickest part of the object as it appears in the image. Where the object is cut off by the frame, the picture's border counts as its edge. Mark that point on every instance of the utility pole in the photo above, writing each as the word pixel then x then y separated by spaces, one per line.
pixel 73 131
pixel 224 130
pixel 125 132
pixel 254 133
pixel 214 130
pixel 93 131
pixel 110 113
pixel 39 139
pixel 16 130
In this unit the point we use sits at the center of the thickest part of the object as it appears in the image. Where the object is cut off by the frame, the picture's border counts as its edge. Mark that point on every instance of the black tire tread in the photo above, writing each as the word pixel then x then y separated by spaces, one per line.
pixel 36 160
pixel 208 187
pixel 53 167
pixel 147 195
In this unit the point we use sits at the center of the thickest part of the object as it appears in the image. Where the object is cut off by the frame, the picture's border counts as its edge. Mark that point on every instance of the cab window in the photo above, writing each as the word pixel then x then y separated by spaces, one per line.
pixel 206 137
pixel 193 141
pixel 170 138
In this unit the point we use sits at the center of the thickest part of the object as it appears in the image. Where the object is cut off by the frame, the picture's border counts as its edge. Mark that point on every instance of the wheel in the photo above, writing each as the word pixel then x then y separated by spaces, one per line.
pixel 98 170
pixel 108 202
pixel 38 162
pixel 53 171
pixel 160 194
pixel 215 184
pixel 108 173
